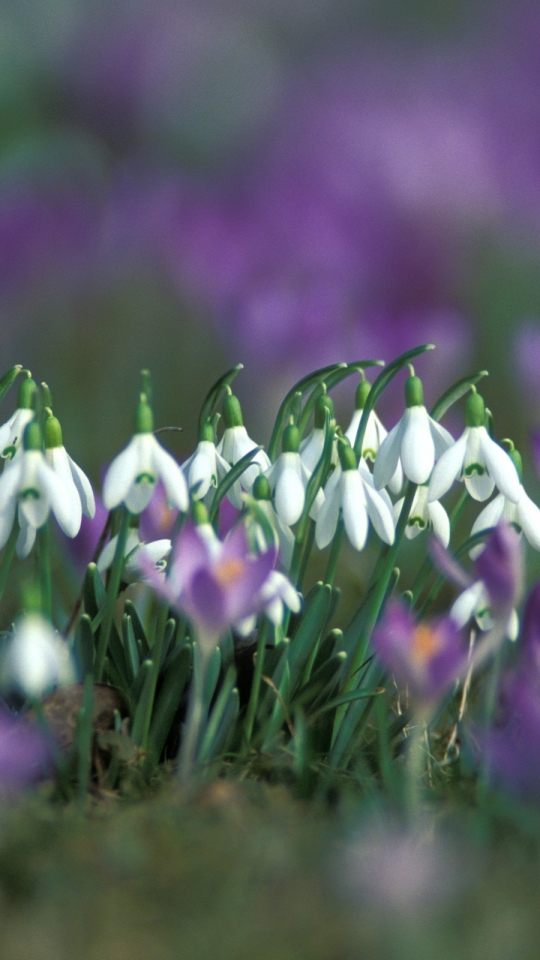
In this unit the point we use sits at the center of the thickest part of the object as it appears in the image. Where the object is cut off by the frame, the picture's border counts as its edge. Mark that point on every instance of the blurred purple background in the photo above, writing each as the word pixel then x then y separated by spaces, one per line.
pixel 186 185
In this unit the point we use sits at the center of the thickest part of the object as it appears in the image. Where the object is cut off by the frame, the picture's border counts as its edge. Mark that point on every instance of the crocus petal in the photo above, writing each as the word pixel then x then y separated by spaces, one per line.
pixel 173 479
pixel 440 522
pixel 417 446
pixel 191 553
pixel 529 519
pixel 120 475
pixel 242 594
pixel 500 467
pixel 448 468
pixel 380 514
pixel 84 489
pixel 388 456
pixel 207 602
pixel 500 566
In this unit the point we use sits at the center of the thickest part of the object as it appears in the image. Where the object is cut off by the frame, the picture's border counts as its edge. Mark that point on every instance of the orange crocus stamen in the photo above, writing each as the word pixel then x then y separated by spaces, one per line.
pixel 426 643
pixel 229 571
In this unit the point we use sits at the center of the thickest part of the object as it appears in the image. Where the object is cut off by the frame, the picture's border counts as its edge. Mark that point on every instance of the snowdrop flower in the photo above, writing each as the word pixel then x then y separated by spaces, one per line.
pixel 283 537
pixel 12 431
pixel 133 474
pixel 350 490
pixel 37 657
pixel 59 460
pixel 423 515
pixel 206 467
pixel 374 435
pixel 155 552
pixel 30 486
pixel 416 440
pixel 476 459
pixel 288 478
pixel 311 448
pixel 275 596
pixel 235 444
pixel 524 514
pixel 473 604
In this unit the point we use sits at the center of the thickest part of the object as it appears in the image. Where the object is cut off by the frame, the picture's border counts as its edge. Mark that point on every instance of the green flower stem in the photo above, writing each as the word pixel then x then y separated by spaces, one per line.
pixel 112 594
pixel 7 559
pixel 375 606
pixel 156 654
pixel 334 553
pixel 256 682
pixel 196 716
pixel 306 556
pixel 44 570
pixel 415 763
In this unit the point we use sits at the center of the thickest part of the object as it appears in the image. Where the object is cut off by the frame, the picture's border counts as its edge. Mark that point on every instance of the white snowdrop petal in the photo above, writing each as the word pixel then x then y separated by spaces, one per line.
pixel 388 456
pixel 441 438
pixel 352 429
pixel 512 627
pixel 479 487
pixel 61 494
pixel 353 505
pixel 139 496
pixel 10 481
pixel 448 468
pixel 5 431
pixel 528 516
pixel 202 472
pixel 380 514
pixel 500 467
pixel 489 516
pixel 26 538
pixel 311 450
pixel 244 627
pixel 84 489
pixel 7 516
pixel 440 522
pixel 290 494
pixel 173 479
pixel 417 446
pixel 120 475
pixel 327 520
pixel 465 606
pixel 396 482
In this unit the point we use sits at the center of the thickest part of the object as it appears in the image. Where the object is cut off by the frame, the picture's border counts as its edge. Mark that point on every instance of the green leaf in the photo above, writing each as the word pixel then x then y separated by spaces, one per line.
pixel 330 382
pixel 230 478
pixel 326 676
pixel 8 379
pixel 214 394
pixel 130 645
pixel 175 680
pixel 138 628
pixel 84 644
pixel 302 387
pixel 143 700
pixel 208 743
pixel 93 591
pixel 454 393
pixel 380 384
pixel 343 698
pixel 308 631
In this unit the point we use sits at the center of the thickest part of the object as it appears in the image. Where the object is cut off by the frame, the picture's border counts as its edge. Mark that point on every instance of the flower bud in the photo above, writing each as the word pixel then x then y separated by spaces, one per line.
pixel 232 412
pixel 475 411
pixel 52 432
pixel 323 404
pixel 144 418
pixel 414 392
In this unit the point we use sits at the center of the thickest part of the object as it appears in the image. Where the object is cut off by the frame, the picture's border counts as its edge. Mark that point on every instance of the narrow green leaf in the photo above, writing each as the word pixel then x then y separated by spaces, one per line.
pixel 454 393
pixel 9 379
pixel 130 645
pixel 231 477
pixel 138 628
pixel 346 698
pixel 206 749
pixel 330 382
pixel 84 644
pixel 214 394
pixel 141 707
pixel 302 387
pixel 327 675
pixel 175 680
pixel 308 632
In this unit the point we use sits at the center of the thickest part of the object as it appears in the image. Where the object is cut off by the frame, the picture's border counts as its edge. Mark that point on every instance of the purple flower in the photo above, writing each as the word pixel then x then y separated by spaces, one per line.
pixel 426 656
pixel 24 753
pixel 500 567
pixel 529 647
pixel 215 584
pixel 513 746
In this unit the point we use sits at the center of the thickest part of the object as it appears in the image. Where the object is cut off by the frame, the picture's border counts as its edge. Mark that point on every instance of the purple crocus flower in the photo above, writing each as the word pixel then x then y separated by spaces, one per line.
pixel 215 584
pixel 24 753
pixel 530 636
pixel 513 745
pixel 500 567
pixel 426 656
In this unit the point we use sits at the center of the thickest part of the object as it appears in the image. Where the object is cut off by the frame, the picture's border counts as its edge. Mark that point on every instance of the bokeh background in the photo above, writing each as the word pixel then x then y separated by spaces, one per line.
pixel 279 182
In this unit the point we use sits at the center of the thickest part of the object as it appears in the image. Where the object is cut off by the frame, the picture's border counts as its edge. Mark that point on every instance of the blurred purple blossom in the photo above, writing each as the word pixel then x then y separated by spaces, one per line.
pixel 427 657
pixel 512 746
pixel 500 567
pixel 24 753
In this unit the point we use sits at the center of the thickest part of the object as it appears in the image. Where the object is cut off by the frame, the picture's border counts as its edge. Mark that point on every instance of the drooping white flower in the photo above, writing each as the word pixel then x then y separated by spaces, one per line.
pixel 206 467
pixel 374 435
pixel 235 444
pixel 423 515
pixel 312 446
pixel 524 514
pixel 473 604
pixel 416 441
pixel 155 552
pixel 30 486
pixel 133 474
pixel 61 463
pixel 37 658
pixel 275 596
pixel 288 478
pixel 477 460
pixel 283 537
pixel 350 490
pixel 12 431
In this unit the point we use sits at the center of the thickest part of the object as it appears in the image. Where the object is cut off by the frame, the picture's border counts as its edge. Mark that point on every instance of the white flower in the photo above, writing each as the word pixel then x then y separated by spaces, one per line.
pixel 423 515
pixel 351 490
pixel 373 437
pixel 311 447
pixel 37 657
pixel 473 603
pixel 416 440
pixel 235 444
pixel 206 467
pixel 523 514
pixel 133 474
pixel 11 432
pixel 283 536
pixel 276 594
pixel 67 470
pixel 288 479
pixel 476 459
pixel 29 484
pixel 155 552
